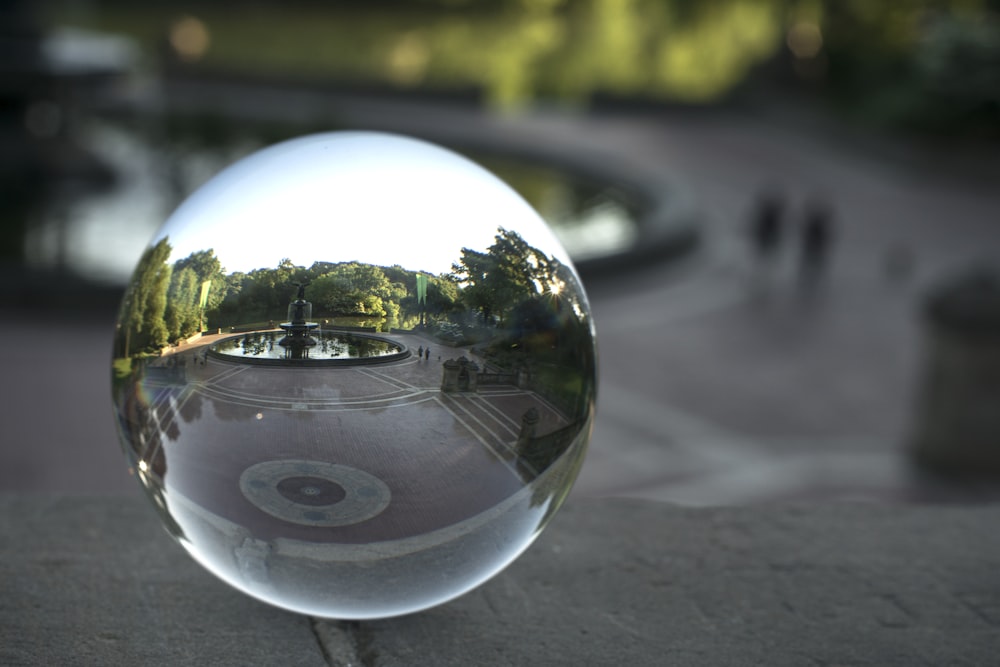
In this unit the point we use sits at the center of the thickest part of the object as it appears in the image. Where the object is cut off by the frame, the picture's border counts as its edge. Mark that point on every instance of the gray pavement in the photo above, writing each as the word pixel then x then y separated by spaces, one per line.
pixel 718 385
pixel 611 582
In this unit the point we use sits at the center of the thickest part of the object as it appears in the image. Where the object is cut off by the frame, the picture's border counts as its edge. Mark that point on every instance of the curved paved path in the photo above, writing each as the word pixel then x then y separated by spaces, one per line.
pixel 716 387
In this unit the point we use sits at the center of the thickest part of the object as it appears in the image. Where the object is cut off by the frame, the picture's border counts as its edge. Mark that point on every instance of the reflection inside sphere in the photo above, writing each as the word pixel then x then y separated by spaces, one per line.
pixel 355 372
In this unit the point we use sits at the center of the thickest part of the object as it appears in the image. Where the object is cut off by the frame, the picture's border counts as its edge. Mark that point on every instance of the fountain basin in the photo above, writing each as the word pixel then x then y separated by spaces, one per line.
pixel 333 348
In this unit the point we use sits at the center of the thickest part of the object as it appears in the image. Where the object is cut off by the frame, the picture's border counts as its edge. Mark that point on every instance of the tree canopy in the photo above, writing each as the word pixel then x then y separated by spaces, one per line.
pixel 509 272
pixel 145 302
pixel 510 286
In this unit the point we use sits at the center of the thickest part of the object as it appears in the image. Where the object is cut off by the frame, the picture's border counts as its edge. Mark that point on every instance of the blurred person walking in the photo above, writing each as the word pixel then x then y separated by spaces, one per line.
pixel 766 227
pixel 816 241
pixel 766 230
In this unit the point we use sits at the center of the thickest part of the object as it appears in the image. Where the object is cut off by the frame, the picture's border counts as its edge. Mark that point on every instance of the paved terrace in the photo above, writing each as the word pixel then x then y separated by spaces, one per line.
pixel 436 458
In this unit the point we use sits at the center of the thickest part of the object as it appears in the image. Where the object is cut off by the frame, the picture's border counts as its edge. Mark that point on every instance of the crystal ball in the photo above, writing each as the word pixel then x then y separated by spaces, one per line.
pixel 355 374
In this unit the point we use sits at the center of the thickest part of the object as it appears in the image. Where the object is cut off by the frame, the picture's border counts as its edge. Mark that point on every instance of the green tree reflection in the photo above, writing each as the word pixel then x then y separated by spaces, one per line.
pixel 143 328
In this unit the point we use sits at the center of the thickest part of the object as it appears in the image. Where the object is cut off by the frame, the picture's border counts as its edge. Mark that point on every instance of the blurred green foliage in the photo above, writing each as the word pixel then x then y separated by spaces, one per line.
pixel 930 64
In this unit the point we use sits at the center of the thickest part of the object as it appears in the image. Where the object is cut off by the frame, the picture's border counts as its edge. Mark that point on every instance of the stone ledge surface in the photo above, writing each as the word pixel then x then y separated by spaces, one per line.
pixel 96 581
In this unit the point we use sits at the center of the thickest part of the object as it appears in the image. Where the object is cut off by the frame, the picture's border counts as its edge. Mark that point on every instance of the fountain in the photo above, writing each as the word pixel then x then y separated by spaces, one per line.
pixel 302 344
pixel 298 340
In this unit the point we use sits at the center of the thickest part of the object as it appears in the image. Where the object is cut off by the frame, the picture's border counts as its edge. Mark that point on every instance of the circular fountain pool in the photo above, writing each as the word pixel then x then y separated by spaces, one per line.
pixel 332 348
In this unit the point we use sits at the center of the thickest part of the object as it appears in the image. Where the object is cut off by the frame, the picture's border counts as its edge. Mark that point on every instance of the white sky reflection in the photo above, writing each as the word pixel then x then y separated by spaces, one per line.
pixel 351 196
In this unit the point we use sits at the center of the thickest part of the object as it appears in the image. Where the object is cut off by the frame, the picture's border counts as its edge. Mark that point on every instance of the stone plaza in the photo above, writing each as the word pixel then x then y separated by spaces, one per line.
pixel 434 457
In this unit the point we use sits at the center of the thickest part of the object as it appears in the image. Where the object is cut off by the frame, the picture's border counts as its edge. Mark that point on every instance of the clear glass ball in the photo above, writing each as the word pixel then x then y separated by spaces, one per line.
pixel 355 373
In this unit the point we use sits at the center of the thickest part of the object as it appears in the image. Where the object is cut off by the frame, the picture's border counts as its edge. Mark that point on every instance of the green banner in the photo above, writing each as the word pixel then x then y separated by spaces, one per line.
pixel 421 288
pixel 205 286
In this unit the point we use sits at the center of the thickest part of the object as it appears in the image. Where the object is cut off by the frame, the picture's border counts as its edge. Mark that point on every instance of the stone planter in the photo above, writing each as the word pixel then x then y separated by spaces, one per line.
pixel 958 419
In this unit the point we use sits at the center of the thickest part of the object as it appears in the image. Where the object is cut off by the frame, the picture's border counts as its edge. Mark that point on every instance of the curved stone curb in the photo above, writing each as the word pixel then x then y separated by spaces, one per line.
pixel 404 353
pixel 669 225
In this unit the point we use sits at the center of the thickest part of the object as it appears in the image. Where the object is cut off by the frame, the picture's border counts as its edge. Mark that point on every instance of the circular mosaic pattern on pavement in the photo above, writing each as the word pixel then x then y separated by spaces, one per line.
pixel 314 493
pixel 311 491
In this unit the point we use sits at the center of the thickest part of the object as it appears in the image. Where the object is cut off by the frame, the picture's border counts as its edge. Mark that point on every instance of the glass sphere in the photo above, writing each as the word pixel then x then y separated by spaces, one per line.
pixel 355 373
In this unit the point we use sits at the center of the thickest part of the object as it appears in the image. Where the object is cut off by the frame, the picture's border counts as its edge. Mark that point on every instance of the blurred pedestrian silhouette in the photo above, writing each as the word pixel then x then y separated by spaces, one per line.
pixel 766 226
pixel 816 240
pixel 766 230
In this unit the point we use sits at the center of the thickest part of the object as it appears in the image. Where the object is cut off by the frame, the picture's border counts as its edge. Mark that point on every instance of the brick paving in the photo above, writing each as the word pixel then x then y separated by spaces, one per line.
pixel 443 457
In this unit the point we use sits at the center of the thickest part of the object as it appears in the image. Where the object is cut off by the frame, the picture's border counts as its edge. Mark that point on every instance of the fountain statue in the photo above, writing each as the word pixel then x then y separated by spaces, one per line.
pixel 297 340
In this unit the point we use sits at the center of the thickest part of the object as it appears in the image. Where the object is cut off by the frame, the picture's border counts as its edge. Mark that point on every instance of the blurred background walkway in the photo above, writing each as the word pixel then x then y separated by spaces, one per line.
pixel 726 377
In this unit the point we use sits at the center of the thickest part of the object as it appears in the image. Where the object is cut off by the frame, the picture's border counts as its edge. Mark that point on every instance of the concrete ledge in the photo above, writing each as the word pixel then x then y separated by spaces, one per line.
pixel 96 581
pixel 90 581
